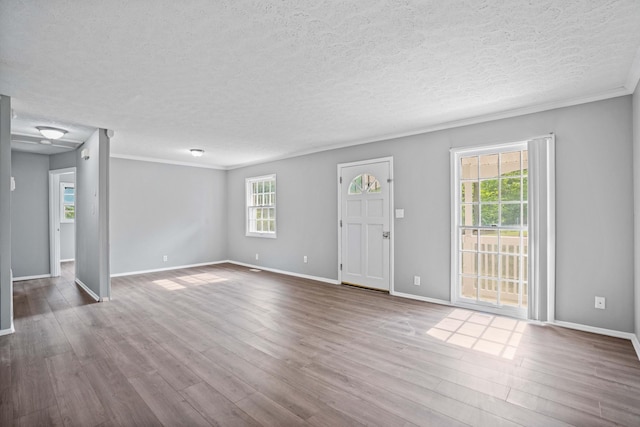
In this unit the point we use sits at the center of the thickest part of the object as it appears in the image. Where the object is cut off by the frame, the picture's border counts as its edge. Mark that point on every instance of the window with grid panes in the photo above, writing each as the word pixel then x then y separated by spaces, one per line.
pixel 67 202
pixel 261 206
pixel 492 201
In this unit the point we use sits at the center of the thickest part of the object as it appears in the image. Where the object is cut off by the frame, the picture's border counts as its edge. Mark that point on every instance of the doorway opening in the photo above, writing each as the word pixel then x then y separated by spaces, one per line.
pixel 62 235
pixel 492 232
pixel 503 228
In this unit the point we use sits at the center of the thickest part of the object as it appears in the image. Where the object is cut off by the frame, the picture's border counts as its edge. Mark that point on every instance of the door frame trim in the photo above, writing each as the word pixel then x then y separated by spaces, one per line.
pixel 389 161
pixel 54 218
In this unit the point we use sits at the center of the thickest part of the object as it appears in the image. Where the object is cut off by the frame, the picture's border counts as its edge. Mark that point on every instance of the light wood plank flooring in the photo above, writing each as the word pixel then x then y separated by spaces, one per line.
pixel 226 346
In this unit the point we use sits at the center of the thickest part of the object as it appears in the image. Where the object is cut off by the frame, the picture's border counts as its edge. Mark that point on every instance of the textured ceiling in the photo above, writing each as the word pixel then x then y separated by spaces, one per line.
pixel 25 136
pixel 254 80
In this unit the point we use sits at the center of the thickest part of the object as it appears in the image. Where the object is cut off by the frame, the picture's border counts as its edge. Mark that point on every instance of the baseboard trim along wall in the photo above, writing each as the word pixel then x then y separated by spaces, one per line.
pixel 9 331
pixel 287 273
pixel 177 267
pixel 585 328
pixel 87 290
pixel 39 276
pixel 602 331
pixel 593 329
pixel 636 344
pixel 421 298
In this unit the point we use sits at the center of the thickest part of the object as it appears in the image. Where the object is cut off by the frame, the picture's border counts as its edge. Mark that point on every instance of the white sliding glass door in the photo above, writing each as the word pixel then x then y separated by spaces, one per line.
pixel 491 230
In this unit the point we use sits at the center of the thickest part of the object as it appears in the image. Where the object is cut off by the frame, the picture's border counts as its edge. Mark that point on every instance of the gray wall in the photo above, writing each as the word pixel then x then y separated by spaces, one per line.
pixel 62 160
pixel 160 209
pixel 67 229
pixel 92 210
pixel 6 288
pixel 594 208
pixel 636 189
pixel 30 215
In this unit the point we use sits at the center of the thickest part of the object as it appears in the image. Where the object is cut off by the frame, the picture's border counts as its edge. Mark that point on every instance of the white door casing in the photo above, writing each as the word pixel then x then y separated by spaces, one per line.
pixel 365 224
pixel 54 218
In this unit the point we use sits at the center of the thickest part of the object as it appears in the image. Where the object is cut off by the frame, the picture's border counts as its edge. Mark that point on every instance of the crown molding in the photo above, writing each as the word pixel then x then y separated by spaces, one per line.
pixel 165 161
pixel 634 76
pixel 613 93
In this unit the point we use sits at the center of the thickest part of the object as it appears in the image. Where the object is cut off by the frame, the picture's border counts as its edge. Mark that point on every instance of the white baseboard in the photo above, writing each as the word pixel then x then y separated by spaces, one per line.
pixel 87 290
pixel 177 267
pixel 602 331
pixel 9 331
pixel 421 298
pixel 39 276
pixel 204 264
pixel 287 273
pixel 67 260
pixel 636 344
pixel 593 329
pixel 577 326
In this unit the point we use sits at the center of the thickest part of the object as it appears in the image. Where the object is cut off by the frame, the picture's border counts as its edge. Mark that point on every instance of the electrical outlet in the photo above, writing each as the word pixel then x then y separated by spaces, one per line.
pixel 600 303
pixel 257 257
pixel 416 280
pixel 305 259
pixel 165 258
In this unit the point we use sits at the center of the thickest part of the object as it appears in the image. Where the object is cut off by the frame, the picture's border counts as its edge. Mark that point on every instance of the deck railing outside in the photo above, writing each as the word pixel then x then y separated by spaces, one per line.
pixel 495 269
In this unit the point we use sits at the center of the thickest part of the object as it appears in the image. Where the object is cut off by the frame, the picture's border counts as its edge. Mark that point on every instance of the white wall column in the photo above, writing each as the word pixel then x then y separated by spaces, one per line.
pixel 6 286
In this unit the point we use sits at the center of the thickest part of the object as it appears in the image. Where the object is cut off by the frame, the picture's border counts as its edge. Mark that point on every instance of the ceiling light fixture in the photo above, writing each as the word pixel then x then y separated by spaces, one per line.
pixel 197 152
pixel 51 133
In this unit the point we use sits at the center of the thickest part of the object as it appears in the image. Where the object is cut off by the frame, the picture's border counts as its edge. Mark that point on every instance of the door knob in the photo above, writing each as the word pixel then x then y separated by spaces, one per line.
pixel 386 234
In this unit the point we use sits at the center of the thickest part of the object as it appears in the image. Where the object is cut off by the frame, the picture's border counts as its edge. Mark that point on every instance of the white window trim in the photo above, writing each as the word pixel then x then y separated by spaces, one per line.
pixel 247 190
pixel 63 220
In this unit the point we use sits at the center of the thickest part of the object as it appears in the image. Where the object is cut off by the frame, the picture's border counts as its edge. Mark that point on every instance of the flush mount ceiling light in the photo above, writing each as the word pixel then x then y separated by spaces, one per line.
pixel 197 152
pixel 51 133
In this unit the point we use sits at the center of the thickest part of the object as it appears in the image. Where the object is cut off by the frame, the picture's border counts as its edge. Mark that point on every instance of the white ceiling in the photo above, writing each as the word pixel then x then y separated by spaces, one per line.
pixel 254 80
pixel 25 136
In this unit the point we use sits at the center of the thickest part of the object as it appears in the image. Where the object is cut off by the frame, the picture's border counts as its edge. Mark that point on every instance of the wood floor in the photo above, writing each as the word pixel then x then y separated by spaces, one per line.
pixel 226 346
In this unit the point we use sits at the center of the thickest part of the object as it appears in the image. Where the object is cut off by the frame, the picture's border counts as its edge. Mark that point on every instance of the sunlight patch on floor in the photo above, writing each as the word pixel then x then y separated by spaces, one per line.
pixel 208 277
pixel 499 336
pixel 169 285
pixel 192 280
pixel 201 279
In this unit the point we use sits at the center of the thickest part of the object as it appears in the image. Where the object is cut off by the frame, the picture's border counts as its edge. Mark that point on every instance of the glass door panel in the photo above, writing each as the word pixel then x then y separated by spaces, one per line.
pixel 492 228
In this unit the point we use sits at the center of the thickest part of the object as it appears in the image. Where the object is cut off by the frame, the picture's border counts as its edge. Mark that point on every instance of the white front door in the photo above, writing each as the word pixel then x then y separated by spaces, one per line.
pixel 365 231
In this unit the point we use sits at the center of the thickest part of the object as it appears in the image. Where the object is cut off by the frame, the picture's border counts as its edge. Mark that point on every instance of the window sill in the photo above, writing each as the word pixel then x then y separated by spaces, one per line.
pixel 263 235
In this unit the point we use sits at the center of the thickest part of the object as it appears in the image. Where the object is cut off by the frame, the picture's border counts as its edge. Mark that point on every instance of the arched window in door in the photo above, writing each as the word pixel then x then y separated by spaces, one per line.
pixel 364 183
